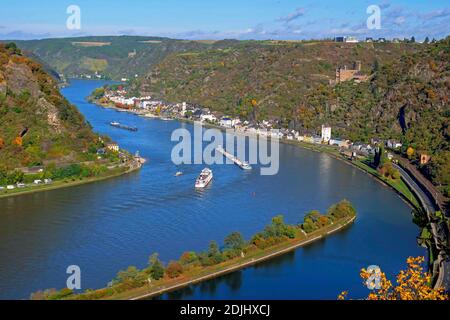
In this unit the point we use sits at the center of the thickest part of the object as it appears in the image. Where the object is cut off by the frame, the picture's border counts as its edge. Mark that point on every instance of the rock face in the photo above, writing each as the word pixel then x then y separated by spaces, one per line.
pixel 37 124
pixel 51 111
pixel 19 78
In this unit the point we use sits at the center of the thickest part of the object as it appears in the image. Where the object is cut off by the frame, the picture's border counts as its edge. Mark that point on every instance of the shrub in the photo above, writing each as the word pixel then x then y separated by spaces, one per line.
pixel 174 270
pixel 131 278
pixel 188 258
pixel 234 241
pixel 156 268
pixel 342 209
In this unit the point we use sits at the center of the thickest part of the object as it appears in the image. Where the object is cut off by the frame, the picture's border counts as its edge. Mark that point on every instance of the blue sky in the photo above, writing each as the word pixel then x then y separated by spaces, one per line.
pixel 239 19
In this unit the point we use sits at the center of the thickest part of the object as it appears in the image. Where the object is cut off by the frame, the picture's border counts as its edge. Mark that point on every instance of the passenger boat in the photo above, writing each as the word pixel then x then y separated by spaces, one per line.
pixel 204 179
pixel 245 166
pixel 121 126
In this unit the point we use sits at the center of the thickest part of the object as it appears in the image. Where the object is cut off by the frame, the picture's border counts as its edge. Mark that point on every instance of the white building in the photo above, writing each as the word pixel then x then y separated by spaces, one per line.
pixel 326 134
pixel 226 122
pixel 145 104
pixel 351 39
pixel 208 117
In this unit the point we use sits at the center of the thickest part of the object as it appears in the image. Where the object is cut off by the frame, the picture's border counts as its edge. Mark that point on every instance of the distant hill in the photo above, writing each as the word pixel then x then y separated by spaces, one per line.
pixel 276 74
pixel 404 98
pixel 38 125
pixel 115 57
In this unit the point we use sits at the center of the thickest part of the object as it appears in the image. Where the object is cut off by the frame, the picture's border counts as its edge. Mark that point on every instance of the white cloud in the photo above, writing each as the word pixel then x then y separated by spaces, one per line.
pixel 399 20
pixel 293 16
pixel 442 13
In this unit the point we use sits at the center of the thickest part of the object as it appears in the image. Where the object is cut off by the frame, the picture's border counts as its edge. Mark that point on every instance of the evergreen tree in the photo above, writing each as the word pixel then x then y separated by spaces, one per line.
pixel 379 160
pixel 156 267
pixel 234 241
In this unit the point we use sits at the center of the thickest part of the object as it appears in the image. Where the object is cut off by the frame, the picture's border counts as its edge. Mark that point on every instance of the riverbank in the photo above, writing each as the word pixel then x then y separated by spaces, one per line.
pixel 112 173
pixel 240 264
pixel 276 239
pixel 254 253
pixel 398 186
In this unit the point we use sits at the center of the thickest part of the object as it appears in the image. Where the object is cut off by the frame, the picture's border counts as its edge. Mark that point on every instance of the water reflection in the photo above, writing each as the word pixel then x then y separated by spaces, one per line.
pixel 232 281
pixel 285 260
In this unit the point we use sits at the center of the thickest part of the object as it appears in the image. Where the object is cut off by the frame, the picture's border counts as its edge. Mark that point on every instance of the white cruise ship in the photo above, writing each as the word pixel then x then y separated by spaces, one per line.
pixel 204 179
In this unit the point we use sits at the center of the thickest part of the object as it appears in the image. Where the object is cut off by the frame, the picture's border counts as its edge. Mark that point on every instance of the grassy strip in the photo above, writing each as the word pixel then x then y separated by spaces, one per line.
pixel 199 274
pixel 112 173
pixel 398 185
pixel 234 265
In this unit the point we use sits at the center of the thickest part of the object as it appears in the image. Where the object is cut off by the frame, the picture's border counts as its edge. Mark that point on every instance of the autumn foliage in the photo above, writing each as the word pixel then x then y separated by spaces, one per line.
pixel 411 284
pixel 18 141
pixel 174 270
pixel 410 152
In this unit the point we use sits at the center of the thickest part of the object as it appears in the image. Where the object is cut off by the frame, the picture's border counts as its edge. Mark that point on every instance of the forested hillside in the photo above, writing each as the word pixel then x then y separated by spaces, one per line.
pixel 36 123
pixel 115 57
pixel 405 98
pixel 276 74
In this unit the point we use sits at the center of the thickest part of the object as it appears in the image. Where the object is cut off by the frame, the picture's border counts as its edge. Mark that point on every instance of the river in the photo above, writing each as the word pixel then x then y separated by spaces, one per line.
pixel 106 226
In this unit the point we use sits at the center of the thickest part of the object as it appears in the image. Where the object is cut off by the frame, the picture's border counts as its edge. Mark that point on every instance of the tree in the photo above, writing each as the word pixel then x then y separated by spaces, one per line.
pixel 13 48
pixel 341 210
pixel 379 159
pixel 413 39
pixel 3 175
pixel 427 40
pixel 310 221
pixel 234 241
pixel 214 254
pixel 156 267
pixel 131 278
pixel 308 225
pixel 98 93
pixel 376 66
pixel 18 141
pixel 174 270
pixel 412 284
pixel 188 258
pixel 388 171
pixel 410 152
pixel 15 177
pixel 279 229
pixel 213 249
